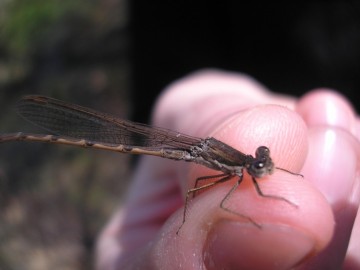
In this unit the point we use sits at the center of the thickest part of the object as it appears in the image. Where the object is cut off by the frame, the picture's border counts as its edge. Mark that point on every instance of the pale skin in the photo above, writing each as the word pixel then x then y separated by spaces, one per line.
pixel 316 135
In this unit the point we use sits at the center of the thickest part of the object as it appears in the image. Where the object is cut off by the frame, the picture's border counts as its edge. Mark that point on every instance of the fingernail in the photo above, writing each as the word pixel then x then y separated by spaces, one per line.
pixel 233 245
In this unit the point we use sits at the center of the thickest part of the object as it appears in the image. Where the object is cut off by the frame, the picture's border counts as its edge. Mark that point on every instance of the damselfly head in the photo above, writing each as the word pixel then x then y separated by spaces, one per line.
pixel 262 164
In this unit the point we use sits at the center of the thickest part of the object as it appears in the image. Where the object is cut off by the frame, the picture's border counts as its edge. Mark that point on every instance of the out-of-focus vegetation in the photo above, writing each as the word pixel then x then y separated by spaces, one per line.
pixel 54 200
pixel 28 27
pixel 27 23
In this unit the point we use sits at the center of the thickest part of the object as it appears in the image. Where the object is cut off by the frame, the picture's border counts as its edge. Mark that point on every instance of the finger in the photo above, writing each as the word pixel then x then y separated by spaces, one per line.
pixel 333 164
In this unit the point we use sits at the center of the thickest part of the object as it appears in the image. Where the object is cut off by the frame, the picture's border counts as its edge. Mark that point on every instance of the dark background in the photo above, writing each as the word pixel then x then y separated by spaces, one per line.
pixel 290 48
pixel 117 56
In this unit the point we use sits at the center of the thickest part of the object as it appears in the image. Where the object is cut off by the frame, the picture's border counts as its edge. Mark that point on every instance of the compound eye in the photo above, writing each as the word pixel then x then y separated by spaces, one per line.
pixel 262 151
pixel 258 165
pixel 258 169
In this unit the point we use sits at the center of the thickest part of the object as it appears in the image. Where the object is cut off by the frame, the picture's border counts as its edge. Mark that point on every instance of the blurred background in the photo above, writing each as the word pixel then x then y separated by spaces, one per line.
pixel 116 56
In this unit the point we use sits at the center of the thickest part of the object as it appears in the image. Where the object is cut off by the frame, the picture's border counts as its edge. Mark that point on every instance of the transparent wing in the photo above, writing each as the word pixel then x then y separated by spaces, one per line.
pixel 70 120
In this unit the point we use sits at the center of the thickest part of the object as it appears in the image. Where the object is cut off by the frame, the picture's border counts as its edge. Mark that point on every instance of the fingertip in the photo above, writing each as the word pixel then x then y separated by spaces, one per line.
pixel 276 127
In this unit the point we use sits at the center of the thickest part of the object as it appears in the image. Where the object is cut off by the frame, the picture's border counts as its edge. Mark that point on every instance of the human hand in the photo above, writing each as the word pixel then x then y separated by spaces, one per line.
pixel 320 139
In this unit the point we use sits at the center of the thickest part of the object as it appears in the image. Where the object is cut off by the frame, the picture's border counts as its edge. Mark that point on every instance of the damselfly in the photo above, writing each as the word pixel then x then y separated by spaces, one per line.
pixel 79 126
